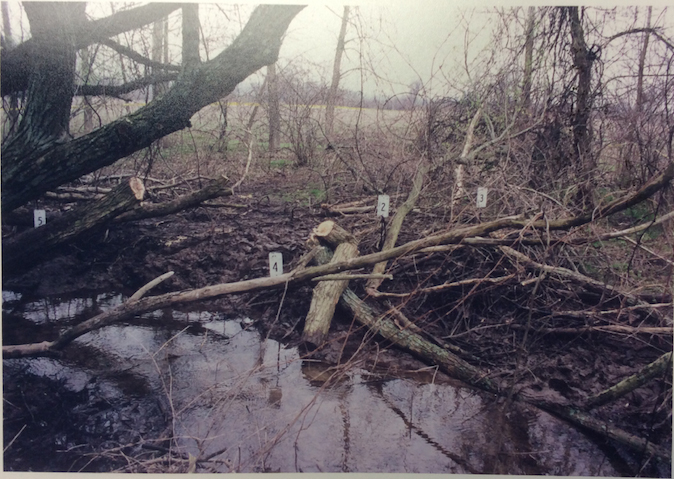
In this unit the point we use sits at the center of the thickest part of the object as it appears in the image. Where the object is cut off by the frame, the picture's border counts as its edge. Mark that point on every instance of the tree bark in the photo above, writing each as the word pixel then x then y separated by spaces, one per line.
pixel 248 134
pixel 656 368
pixel 48 347
pixel 27 174
pixel 126 87
pixel 605 429
pixel 137 57
pixel 397 222
pixel 27 248
pixel 12 120
pixel 327 293
pixel 159 39
pixel 458 191
pixel 448 362
pixel 639 104
pixel 87 110
pixel 50 90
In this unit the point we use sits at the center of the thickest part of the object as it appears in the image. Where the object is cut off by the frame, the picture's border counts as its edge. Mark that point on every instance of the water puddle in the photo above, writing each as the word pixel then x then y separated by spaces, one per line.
pixel 247 403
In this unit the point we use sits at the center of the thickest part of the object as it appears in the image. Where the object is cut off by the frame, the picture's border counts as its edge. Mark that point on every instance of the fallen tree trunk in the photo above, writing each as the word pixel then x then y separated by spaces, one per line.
pixel 327 293
pixel 49 347
pixel 460 369
pixel 26 248
pixel 607 430
pixel 407 335
pixel 405 338
pixel 215 189
pixel 657 367
pixel 610 328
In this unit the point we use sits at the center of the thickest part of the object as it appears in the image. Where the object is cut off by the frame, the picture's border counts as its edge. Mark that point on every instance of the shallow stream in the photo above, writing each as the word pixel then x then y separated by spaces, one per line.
pixel 246 402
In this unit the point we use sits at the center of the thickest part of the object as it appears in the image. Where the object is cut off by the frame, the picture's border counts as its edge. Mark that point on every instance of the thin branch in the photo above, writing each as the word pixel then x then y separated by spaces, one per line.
pixel 137 57
pixel 340 277
pixel 117 90
pixel 652 31
pixel 142 291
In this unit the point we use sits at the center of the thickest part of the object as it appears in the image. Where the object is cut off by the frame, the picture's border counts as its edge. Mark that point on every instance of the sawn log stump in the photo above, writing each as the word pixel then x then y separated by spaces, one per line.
pixel 326 293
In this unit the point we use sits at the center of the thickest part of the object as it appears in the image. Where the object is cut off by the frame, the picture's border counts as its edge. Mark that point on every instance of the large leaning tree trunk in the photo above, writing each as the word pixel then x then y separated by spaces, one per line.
pixel 36 160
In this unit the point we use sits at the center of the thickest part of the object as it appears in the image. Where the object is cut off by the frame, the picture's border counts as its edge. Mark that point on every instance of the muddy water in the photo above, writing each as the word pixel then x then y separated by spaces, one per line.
pixel 247 403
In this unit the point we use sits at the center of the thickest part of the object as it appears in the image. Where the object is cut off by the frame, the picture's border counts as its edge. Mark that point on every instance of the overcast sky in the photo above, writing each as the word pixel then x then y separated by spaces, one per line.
pixel 405 41
pixel 402 40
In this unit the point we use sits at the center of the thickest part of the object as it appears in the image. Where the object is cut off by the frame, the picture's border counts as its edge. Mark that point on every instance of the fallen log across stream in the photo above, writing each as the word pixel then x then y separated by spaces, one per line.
pixel 456 367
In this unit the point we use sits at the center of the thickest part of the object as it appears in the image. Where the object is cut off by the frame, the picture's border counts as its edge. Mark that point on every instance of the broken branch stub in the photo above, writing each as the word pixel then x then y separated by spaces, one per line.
pixel 326 293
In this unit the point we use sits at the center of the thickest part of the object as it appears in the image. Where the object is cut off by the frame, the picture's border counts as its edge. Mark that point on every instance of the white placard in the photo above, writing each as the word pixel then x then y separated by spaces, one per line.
pixel 482 197
pixel 275 264
pixel 382 205
pixel 39 218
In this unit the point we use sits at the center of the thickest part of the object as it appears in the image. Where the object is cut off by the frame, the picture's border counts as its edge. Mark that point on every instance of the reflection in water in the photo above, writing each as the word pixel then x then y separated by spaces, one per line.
pixel 241 402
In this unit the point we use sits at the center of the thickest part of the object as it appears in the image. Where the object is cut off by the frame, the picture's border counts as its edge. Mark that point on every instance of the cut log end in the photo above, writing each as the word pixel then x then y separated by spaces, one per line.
pixel 324 228
pixel 137 188
pixel 330 233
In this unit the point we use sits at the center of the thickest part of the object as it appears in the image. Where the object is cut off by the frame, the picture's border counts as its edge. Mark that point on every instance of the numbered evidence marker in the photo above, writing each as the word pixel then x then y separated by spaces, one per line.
pixel 482 197
pixel 39 218
pixel 275 264
pixel 382 205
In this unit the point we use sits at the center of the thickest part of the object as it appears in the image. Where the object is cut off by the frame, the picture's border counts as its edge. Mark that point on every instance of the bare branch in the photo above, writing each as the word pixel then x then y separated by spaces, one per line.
pixel 137 57
pixel 117 90
pixel 652 31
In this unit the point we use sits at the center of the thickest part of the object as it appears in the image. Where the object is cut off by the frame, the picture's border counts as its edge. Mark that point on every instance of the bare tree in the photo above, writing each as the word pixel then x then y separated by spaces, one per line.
pixel 274 109
pixel 8 42
pixel 642 62
pixel 336 76
pixel 528 59
pixel 582 129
